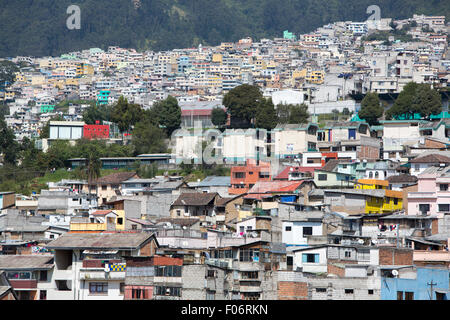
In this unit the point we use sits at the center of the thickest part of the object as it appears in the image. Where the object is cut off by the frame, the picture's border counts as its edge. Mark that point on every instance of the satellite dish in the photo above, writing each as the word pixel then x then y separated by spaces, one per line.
pixel 394 273
pixel 361 241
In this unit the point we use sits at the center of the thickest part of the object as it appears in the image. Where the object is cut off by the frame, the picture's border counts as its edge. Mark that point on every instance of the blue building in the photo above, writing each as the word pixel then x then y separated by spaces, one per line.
pixel 414 283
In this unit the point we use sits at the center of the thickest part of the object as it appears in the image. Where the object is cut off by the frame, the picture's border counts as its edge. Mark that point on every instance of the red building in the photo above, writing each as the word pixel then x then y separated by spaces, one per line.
pixel 243 178
pixel 96 131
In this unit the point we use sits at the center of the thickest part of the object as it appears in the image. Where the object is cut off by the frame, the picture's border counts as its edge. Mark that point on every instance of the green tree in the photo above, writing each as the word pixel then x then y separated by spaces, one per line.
pixel 403 104
pixel 427 101
pixel 242 103
pixel 9 147
pixel 219 117
pixel 92 168
pixel 125 114
pixel 168 114
pixel 97 113
pixel 266 115
pixel 298 113
pixel 371 109
pixel 148 138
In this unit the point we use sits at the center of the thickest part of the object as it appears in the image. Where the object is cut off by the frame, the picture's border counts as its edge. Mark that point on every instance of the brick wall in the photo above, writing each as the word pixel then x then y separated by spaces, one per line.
pixel 336 269
pixel 395 256
pixel 292 290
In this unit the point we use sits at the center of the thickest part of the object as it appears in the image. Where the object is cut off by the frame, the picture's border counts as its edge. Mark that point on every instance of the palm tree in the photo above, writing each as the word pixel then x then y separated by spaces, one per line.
pixel 92 168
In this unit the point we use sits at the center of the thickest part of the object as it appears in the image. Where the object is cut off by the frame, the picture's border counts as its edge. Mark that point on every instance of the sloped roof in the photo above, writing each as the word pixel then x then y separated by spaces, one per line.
pixel 24 262
pixel 123 241
pixel 262 188
pixel 195 199
pixel 330 165
pixel 215 181
pixel 431 158
pixel 402 178
pixel 284 174
pixel 115 178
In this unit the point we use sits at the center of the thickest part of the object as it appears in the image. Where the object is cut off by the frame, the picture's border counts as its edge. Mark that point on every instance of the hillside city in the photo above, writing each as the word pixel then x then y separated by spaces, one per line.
pixel 305 167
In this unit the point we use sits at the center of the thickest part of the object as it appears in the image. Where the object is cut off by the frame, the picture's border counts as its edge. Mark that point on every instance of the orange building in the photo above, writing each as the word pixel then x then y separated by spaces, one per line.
pixel 244 177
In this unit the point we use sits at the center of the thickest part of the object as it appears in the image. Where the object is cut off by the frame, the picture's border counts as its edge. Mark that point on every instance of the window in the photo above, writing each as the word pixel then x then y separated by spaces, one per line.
pixel 43 295
pixel 322 290
pixel 211 273
pixel 310 257
pixel 288 228
pixel 409 295
pixel 249 255
pixel 370 291
pixel 239 175
pixel 322 177
pixel 122 288
pixel 348 254
pixel 98 287
pixel 307 231
pixel 424 208
pixel 210 295
pixel 399 295
pixel 444 207
pixel 249 275
pixel 178 213
pixel 119 220
pixel 134 227
pixel 348 291
pixel 168 271
pixel 395 201
pixel 104 187
pixel 443 187
pixel 43 275
pixel 137 294
pixel 168 291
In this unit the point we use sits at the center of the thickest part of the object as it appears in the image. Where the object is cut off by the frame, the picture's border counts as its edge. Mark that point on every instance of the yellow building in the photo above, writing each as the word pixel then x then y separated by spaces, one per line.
pixel 98 221
pixel 20 77
pixel 217 57
pixel 315 77
pixel 371 184
pixel 389 201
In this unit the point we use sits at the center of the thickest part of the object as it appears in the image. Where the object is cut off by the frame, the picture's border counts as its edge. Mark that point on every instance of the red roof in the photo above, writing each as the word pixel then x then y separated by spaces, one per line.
pixel 284 175
pixel 196 112
pixel 265 188
pixel 101 212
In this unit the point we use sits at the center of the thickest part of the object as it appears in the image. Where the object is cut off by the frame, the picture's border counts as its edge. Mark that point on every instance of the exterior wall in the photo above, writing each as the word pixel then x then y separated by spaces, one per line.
pixel 395 256
pixel 292 286
pixel 418 285
pixel 312 267
pixel 295 236
pixel 338 289
pixel 193 279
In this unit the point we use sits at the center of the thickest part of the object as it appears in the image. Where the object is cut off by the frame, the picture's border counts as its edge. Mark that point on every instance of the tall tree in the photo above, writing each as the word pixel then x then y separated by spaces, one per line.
pixel 168 114
pixel 266 116
pixel 9 147
pixel 403 104
pixel 427 101
pixel 219 117
pixel 126 114
pixel 371 109
pixel 242 103
pixel 148 138
pixel 292 113
pixel 92 168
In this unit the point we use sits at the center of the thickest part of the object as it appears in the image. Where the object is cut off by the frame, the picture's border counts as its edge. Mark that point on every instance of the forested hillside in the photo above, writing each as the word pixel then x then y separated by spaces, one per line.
pixel 38 27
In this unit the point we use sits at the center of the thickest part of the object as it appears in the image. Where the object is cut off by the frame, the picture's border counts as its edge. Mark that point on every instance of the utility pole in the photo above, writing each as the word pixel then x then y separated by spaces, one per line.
pixel 431 284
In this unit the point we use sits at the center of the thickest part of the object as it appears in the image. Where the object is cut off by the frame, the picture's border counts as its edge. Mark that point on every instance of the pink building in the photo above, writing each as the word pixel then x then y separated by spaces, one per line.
pixel 433 194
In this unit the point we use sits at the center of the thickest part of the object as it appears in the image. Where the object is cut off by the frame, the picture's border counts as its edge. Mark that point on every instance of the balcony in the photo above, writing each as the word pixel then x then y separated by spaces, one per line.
pixel 431 256
pixel 23 283
pixel 62 274
pixel 429 195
